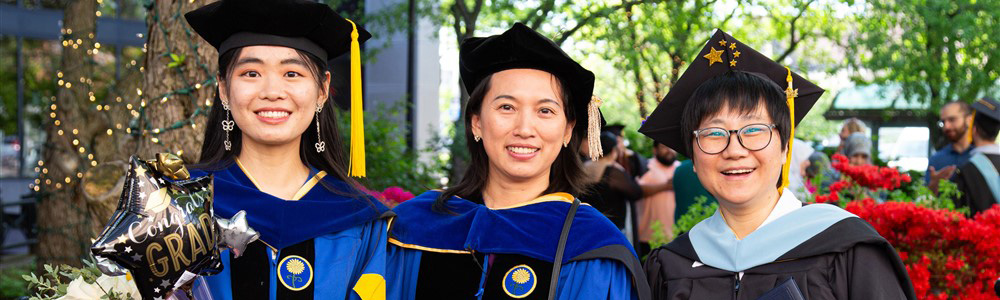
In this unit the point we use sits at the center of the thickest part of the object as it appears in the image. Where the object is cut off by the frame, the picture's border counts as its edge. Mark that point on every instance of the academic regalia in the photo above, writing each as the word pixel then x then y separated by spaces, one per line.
pixel 328 241
pixel 321 244
pixel 471 251
pixel 508 252
pixel 829 253
pixel 978 179
pixel 826 252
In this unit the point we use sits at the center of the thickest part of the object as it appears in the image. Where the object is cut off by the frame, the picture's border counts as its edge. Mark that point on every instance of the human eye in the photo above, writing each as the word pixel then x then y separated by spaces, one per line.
pixel 251 74
pixel 505 107
pixel 293 74
pixel 713 133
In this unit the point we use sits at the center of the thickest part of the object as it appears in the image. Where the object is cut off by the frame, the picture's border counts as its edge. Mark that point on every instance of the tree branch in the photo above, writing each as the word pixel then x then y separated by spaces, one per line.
pixel 793 42
pixel 536 20
pixel 604 12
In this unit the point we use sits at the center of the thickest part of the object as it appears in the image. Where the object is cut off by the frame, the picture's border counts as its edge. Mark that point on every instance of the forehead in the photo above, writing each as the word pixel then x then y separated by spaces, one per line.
pixel 266 52
pixel 529 83
pixel 728 115
pixel 950 109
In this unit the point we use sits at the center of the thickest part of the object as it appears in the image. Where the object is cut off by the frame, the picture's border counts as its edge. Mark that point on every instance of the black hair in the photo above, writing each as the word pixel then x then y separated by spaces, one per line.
pixel 566 173
pixel 609 141
pixel 742 92
pixel 986 128
pixel 214 157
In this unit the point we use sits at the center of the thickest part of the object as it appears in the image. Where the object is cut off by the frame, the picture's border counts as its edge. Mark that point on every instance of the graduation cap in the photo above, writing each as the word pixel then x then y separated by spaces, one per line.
pixel 615 128
pixel 521 47
pixel 987 107
pixel 721 55
pixel 299 24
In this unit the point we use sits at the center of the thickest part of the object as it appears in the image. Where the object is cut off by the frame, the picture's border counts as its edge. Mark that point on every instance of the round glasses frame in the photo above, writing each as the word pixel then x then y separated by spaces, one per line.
pixel 739 137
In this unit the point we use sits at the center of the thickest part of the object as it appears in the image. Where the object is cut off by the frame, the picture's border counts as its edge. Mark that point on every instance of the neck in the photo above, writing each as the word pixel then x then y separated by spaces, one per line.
pixel 503 191
pixel 961 145
pixel 743 219
pixel 274 165
pixel 982 142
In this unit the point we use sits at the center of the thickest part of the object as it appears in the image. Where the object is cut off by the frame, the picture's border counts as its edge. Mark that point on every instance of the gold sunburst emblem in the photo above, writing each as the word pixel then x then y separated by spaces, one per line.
pixel 521 276
pixel 295 266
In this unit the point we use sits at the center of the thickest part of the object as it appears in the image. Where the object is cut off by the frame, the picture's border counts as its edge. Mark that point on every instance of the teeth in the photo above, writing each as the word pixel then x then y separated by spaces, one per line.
pixel 273 114
pixel 522 150
pixel 735 172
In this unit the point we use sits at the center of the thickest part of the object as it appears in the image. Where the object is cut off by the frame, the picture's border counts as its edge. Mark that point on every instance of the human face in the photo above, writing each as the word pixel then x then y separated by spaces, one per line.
pixel 664 154
pixel 858 159
pixel 522 123
pixel 954 123
pixel 737 175
pixel 272 95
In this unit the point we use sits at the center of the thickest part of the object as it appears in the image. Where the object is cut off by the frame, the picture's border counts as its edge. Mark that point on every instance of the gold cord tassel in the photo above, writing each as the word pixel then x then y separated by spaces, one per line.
pixel 357 166
pixel 594 128
pixel 969 131
pixel 790 94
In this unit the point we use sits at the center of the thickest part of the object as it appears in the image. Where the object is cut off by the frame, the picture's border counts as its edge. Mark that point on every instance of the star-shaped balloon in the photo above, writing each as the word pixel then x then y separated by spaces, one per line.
pixel 235 233
pixel 161 229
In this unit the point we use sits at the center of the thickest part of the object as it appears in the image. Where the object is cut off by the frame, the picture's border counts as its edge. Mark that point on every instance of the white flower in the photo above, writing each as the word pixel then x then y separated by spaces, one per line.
pixel 79 289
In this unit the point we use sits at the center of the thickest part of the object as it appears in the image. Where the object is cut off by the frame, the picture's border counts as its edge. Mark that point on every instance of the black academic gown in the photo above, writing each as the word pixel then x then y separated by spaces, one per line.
pixel 976 194
pixel 845 259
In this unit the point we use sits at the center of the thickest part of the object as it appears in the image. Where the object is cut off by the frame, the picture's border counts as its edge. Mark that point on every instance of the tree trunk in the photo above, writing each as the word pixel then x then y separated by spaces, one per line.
pixel 64 226
pixel 177 96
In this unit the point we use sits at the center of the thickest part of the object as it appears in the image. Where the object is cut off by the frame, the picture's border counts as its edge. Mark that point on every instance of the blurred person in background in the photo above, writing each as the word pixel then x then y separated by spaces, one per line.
pixel 955 123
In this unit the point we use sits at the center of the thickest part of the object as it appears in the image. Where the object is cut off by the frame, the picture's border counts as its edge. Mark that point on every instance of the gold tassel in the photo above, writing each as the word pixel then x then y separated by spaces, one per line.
pixel 790 94
pixel 969 132
pixel 594 128
pixel 357 166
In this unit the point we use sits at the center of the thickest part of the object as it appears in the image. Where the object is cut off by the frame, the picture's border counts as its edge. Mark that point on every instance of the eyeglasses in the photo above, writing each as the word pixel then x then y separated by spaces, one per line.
pixel 753 137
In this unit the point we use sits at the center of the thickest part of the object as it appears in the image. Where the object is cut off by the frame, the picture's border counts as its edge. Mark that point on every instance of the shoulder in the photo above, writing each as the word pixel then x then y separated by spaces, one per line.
pixel 842 236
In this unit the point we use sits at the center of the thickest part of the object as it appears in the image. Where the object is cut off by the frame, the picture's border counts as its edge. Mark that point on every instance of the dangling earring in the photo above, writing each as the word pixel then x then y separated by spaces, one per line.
pixel 476 137
pixel 566 144
pixel 227 126
pixel 320 144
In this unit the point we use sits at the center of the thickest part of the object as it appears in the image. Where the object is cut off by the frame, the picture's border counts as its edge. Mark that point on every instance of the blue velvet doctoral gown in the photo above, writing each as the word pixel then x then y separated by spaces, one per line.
pixel 480 253
pixel 319 245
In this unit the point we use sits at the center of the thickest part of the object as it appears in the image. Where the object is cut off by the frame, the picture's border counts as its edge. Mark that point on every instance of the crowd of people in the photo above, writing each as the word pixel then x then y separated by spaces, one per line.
pixel 553 204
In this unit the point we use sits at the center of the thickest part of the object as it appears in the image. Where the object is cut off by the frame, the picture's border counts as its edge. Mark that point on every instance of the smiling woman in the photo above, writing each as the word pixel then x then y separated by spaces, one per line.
pixel 271 143
pixel 511 228
pixel 736 122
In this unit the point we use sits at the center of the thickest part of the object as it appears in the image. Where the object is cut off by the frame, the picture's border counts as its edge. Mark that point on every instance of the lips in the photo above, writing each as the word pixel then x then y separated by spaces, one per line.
pixel 273 115
pixel 522 152
pixel 737 173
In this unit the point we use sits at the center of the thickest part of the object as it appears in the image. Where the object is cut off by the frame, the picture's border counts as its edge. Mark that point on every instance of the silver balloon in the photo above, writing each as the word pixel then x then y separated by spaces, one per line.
pixel 109 267
pixel 235 233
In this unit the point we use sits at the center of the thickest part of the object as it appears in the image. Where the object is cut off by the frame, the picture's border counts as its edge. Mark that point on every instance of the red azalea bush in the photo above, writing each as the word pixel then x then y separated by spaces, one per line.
pixel 391 196
pixel 947 255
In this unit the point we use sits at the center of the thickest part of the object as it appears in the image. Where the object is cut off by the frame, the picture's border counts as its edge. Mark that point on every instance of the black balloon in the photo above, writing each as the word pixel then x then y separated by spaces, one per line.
pixel 163 231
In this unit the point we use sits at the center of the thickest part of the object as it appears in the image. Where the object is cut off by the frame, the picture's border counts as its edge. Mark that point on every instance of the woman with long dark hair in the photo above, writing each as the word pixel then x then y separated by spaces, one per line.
pixel 736 121
pixel 271 143
pixel 511 226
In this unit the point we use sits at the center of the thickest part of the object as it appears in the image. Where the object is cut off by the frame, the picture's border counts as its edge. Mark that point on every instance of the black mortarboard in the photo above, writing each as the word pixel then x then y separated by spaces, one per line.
pixel 305 25
pixel 723 54
pixel 521 47
pixel 987 107
pixel 308 26
pixel 615 128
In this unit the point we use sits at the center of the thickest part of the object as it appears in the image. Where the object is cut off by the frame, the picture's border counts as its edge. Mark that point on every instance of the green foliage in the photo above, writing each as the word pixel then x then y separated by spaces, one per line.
pixel 919 194
pixel 695 213
pixel 388 160
pixel 12 283
pixel 53 283
pixel 936 50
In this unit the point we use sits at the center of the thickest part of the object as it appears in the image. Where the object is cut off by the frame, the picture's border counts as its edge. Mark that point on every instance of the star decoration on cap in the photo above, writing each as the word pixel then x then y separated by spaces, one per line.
pixel 736 54
pixel 139 170
pixel 714 56
pixel 137 257
pixel 722 42
pixel 732 63
pixel 732 46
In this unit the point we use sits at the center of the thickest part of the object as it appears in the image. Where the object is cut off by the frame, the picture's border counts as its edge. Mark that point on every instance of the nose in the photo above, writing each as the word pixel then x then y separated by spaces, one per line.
pixel 524 125
pixel 735 150
pixel 273 89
